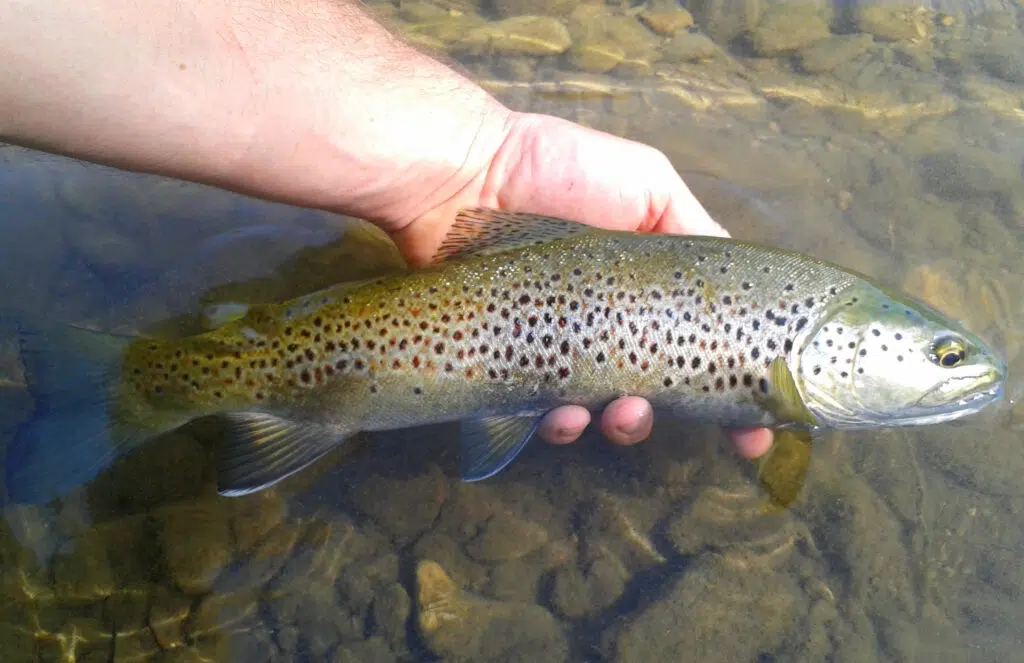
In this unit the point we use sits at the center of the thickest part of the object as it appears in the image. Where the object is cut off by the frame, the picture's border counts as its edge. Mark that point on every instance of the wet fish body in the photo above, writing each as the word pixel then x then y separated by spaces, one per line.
pixel 523 314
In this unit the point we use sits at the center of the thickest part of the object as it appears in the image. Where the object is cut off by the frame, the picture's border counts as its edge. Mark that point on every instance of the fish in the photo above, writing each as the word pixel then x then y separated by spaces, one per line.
pixel 516 315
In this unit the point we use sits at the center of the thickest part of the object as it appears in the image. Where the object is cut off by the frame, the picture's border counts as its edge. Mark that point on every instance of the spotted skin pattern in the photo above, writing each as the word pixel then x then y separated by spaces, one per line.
pixel 689 323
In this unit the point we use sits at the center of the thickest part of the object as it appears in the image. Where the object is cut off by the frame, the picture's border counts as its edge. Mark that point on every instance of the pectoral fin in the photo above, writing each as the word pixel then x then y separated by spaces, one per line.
pixel 783 470
pixel 488 445
pixel 260 450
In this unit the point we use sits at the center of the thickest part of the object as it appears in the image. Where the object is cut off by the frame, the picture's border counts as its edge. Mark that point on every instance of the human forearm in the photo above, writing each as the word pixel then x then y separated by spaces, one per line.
pixel 304 101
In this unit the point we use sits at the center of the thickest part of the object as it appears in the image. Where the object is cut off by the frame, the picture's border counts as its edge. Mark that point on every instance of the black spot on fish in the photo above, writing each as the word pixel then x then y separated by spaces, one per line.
pixel 695 363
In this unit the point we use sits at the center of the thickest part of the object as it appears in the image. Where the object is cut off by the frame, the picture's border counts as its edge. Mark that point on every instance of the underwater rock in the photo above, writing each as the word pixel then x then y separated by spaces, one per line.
pixel 715 613
pixel 449 553
pixel 666 17
pixel 404 508
pixel 389 615
pixel 460 627
pixel 196 541
pixel 827 54
pixel 256 516
pixel 168 612
pixel 612 525
pixel 579 592
pixel 1003 59
pixel 733 518
pixel 320 551
pixel 968 171
pixel 595 27
pixel 724 20
pixel 253 569
pixel 504 537
pixel 360 582
pixel 510 8
pixel 446 29
pixel 788 27
pixel 893 23
pixel 596 57
pixel 691 47
pixel 372 650
pixel 521 35
pixel 82 570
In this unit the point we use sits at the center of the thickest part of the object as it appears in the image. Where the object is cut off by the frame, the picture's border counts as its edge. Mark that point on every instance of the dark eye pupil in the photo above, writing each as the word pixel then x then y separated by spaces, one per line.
pixel 950 359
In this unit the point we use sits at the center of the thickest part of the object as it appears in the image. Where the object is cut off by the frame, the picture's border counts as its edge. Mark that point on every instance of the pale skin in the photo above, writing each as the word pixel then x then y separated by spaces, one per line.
pixel 313 103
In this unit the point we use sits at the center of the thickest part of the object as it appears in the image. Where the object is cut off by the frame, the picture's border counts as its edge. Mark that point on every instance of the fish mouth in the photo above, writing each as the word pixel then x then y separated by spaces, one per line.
pixel 973 401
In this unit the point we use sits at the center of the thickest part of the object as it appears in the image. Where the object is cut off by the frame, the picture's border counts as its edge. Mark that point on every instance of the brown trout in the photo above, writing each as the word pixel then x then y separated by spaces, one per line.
pixel 519 314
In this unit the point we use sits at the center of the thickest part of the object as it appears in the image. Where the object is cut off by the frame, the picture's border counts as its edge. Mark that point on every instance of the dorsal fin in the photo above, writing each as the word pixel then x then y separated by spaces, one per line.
pixel 481 231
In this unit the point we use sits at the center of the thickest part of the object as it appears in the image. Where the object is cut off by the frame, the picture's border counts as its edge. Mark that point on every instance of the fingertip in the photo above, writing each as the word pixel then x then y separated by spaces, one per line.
pixel 752 443
pixel 564 425
pixel 627 420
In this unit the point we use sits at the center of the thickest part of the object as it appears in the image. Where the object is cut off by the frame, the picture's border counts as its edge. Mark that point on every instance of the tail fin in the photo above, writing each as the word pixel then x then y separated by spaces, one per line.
pixel 72 375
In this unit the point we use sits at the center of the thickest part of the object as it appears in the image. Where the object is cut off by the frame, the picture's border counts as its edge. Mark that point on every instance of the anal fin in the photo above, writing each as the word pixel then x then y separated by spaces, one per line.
pixel 489 445
pixel 260 450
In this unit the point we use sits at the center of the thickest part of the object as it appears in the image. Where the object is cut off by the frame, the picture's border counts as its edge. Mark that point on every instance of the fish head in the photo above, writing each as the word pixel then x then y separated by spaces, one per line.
pixel 881 359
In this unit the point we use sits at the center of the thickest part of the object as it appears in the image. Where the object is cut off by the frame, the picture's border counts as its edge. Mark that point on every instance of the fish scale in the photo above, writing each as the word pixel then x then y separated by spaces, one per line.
pixel 520 314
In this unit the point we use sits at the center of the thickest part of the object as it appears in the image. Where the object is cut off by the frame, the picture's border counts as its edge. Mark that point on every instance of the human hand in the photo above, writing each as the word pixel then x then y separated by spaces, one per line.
pixel 550 166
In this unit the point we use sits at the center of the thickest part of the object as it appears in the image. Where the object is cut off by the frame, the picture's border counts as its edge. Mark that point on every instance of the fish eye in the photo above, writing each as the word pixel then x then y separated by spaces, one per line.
pixel 948 352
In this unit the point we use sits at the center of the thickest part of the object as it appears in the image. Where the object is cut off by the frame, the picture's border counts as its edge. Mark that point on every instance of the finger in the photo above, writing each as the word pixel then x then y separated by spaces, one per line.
pixel 752 442
pixel 627 420
pixel 564 424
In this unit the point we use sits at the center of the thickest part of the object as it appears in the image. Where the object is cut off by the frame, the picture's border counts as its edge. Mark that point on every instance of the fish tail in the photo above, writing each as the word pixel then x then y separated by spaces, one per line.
pixel 73 434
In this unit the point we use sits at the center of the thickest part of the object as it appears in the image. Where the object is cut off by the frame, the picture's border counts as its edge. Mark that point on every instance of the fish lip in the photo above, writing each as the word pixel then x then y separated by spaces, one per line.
pixel 992 380
pixel 967 405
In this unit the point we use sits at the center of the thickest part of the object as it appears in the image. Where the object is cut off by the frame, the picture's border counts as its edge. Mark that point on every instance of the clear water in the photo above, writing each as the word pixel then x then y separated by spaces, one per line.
pixel 903 162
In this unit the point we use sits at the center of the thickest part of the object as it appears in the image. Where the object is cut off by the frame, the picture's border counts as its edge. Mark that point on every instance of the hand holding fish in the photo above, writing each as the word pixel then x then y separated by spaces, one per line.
pixel 550 166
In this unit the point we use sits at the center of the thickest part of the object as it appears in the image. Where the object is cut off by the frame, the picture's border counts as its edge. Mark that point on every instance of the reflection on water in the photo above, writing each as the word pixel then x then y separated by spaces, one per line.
pixel 885 137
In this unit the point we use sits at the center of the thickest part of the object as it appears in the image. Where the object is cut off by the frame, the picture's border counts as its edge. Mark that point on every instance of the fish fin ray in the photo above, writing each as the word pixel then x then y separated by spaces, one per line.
pixel 259 450
pixel 782 471
pixel 489 445
pixel 785 400
pixel 73 435
pixel 480 231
